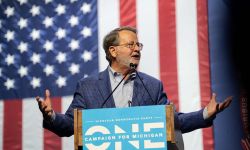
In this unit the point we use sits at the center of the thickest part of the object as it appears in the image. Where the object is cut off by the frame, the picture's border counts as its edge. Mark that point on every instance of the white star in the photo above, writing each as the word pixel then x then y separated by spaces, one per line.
pixel 9 35
pixel 48 1
pixel 23 71
pixel 9 83
pixel 22 23
pixel 85 76
pixel 10 59
pixel 74 68
pixel 0 72
pixel 0 23
pixel 23 47
pixel 35 58
pixel 48 46
pixel 1 48
pixel 61 81
pixel 60 9
pixel 35 34
pixel 86 32
pixel 74 44
pixel 86 56
pixel 72 1
pixel 22 1
pixel 61 33
pixel 9 11
pixel 48 21
pixel 49 69
pixel 35 10
pixel 73 21
pixel 35 82
pixel 86 8
pixel 61 57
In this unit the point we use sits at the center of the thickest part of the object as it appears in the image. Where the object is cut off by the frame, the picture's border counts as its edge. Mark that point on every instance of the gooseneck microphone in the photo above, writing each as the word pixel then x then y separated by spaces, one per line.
pixel 115 88
pixel 134 66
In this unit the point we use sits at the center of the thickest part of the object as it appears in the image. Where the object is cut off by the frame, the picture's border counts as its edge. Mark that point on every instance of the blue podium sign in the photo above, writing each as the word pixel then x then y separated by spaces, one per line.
pixel 130 128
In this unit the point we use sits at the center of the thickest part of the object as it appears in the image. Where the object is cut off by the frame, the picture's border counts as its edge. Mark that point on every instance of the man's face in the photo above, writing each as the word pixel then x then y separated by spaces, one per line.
pixel 124 54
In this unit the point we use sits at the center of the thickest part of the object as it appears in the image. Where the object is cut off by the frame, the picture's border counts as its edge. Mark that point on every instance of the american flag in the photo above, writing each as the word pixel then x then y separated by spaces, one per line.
pixel 51 44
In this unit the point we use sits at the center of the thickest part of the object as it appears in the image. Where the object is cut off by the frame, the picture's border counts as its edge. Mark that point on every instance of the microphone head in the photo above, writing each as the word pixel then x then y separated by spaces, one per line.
pixel 133 66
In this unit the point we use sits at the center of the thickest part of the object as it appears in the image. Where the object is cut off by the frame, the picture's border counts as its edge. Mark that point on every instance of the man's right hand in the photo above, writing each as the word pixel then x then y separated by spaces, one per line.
pixel 45 105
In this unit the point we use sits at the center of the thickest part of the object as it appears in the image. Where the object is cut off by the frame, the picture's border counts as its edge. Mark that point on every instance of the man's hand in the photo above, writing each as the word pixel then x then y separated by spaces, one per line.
pixel 213 107
pixel 45 105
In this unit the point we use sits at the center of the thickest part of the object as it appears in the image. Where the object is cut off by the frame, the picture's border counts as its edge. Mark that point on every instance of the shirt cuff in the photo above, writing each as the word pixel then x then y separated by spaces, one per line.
pixel 205 113
pixel 52 118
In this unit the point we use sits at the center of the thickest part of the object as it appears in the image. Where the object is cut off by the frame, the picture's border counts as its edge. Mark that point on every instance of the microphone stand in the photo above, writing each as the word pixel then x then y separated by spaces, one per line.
pixel 133 66
pixel 115 88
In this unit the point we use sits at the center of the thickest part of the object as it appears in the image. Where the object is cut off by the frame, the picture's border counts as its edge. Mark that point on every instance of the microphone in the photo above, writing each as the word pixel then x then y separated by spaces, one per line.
pixel 134 66
pixel 129 71
pixel 129 103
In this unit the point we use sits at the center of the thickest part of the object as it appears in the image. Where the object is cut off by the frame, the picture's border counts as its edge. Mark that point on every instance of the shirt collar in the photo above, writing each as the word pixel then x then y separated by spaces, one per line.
pixel 115 74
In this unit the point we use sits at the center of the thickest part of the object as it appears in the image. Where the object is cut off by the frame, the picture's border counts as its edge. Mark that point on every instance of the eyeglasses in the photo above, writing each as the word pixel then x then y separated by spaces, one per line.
pixel 132 45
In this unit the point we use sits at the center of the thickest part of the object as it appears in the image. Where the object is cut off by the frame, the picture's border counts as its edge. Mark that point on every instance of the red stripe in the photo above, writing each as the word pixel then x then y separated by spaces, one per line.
pixel 168 58
pixel 51 140
pixel 128 13
pixel 12 124
pixel 204 67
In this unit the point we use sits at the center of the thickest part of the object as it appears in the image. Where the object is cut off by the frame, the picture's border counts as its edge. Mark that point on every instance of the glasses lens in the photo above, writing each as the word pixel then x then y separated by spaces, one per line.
pixel 140 45
pixel 131 45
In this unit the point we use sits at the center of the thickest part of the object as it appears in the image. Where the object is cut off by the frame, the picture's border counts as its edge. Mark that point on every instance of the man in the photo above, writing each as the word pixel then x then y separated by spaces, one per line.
pixel 122 49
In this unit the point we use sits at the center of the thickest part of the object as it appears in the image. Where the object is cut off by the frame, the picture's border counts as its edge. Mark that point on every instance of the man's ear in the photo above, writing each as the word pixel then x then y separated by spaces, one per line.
pixel 112 50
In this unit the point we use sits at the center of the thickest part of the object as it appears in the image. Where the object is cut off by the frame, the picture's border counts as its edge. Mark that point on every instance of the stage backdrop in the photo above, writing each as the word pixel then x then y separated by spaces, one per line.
pixel 52 44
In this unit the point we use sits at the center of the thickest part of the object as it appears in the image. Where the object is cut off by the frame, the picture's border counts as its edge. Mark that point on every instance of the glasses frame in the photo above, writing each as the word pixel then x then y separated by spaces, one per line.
pixel 132 45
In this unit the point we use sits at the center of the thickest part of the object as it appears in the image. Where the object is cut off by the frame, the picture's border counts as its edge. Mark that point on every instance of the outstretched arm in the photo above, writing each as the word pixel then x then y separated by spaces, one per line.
pixel 60 124
pixel 195 120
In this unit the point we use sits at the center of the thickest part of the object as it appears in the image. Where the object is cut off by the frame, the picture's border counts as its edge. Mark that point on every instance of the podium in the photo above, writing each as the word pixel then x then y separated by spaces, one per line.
pixel 169 129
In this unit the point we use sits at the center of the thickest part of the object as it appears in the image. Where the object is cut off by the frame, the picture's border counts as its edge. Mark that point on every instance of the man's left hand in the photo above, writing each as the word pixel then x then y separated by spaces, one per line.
pixel 213 107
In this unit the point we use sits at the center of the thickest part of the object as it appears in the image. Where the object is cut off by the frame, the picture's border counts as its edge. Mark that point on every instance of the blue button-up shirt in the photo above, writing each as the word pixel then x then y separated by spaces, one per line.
pixel 124 92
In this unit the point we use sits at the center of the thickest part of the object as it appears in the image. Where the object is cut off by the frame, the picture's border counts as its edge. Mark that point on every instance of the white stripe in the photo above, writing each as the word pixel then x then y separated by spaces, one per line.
pixel 148 32
pixel 108 19
pixel 32 130
pixel 67 142
pixel 1 124
pixel 188 70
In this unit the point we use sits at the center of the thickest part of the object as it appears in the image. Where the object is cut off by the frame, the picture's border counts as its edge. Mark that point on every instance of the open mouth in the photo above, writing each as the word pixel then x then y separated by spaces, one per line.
pixel 136 56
